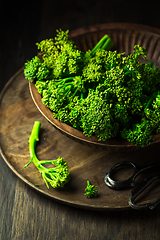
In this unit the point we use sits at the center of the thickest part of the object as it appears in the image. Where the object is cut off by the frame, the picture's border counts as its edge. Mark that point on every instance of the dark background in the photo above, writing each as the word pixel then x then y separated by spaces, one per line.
pixel 23 23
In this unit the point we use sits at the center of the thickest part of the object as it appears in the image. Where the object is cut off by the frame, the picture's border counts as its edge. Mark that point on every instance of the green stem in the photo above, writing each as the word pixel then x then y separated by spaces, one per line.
pixel 82 96
pixel 65 80
pixel 105 43
pixel 88 183
pixel 68 83
pixel 150 100
pixel 46 161
pixel 75 92
pixel 34 137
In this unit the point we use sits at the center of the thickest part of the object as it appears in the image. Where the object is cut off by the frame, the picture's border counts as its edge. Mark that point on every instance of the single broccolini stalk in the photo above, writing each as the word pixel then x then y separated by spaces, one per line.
pixel 91 190
pixel 57 176
pixel 105 43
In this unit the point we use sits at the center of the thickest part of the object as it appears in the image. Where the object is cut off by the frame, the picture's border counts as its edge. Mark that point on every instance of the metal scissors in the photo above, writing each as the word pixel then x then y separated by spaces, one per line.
pixel 130 182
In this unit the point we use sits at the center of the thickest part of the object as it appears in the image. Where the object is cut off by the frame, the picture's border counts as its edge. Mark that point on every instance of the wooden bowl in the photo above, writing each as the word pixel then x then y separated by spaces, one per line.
pixel 124 36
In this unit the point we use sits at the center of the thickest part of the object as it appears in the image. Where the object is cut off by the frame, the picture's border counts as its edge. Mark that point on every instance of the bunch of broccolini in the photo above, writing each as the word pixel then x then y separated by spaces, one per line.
pixel 99 92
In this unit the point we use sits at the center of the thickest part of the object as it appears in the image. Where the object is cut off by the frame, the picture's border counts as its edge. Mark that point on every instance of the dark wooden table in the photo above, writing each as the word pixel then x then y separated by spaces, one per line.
pixel 24 213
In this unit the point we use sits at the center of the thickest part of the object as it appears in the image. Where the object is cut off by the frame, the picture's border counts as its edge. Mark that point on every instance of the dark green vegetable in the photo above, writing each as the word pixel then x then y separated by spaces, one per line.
pixel 100 92
pixel 57 176
pixel 91 190
pixel 35 69
pixel 61 55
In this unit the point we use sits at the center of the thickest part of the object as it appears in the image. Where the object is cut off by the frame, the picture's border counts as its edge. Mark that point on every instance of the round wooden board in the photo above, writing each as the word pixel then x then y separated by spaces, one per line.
pixel 17 116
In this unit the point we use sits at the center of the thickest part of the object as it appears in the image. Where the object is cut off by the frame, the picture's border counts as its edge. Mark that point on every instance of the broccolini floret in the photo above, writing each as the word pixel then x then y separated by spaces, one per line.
pixel 57 176
pixel 91 190
pixel 61 55
pixel 35 69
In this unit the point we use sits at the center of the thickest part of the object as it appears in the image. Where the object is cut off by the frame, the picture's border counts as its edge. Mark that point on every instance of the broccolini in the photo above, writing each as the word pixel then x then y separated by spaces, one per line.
pixel 91 190
pixel 100 92
pixel 57 176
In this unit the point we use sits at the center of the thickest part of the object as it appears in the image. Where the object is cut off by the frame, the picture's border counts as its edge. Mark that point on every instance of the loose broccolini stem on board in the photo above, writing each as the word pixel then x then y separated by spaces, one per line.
pixel 57 176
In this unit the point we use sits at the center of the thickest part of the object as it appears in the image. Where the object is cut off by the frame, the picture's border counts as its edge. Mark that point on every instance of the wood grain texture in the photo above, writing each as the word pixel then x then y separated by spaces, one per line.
pixel 26 214
pixel 39 218
pixel 17 116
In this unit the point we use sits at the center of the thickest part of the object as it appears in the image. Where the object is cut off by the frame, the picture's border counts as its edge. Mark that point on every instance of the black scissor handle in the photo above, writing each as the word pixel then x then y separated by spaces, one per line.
pixel 139 189
pixel 117 185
